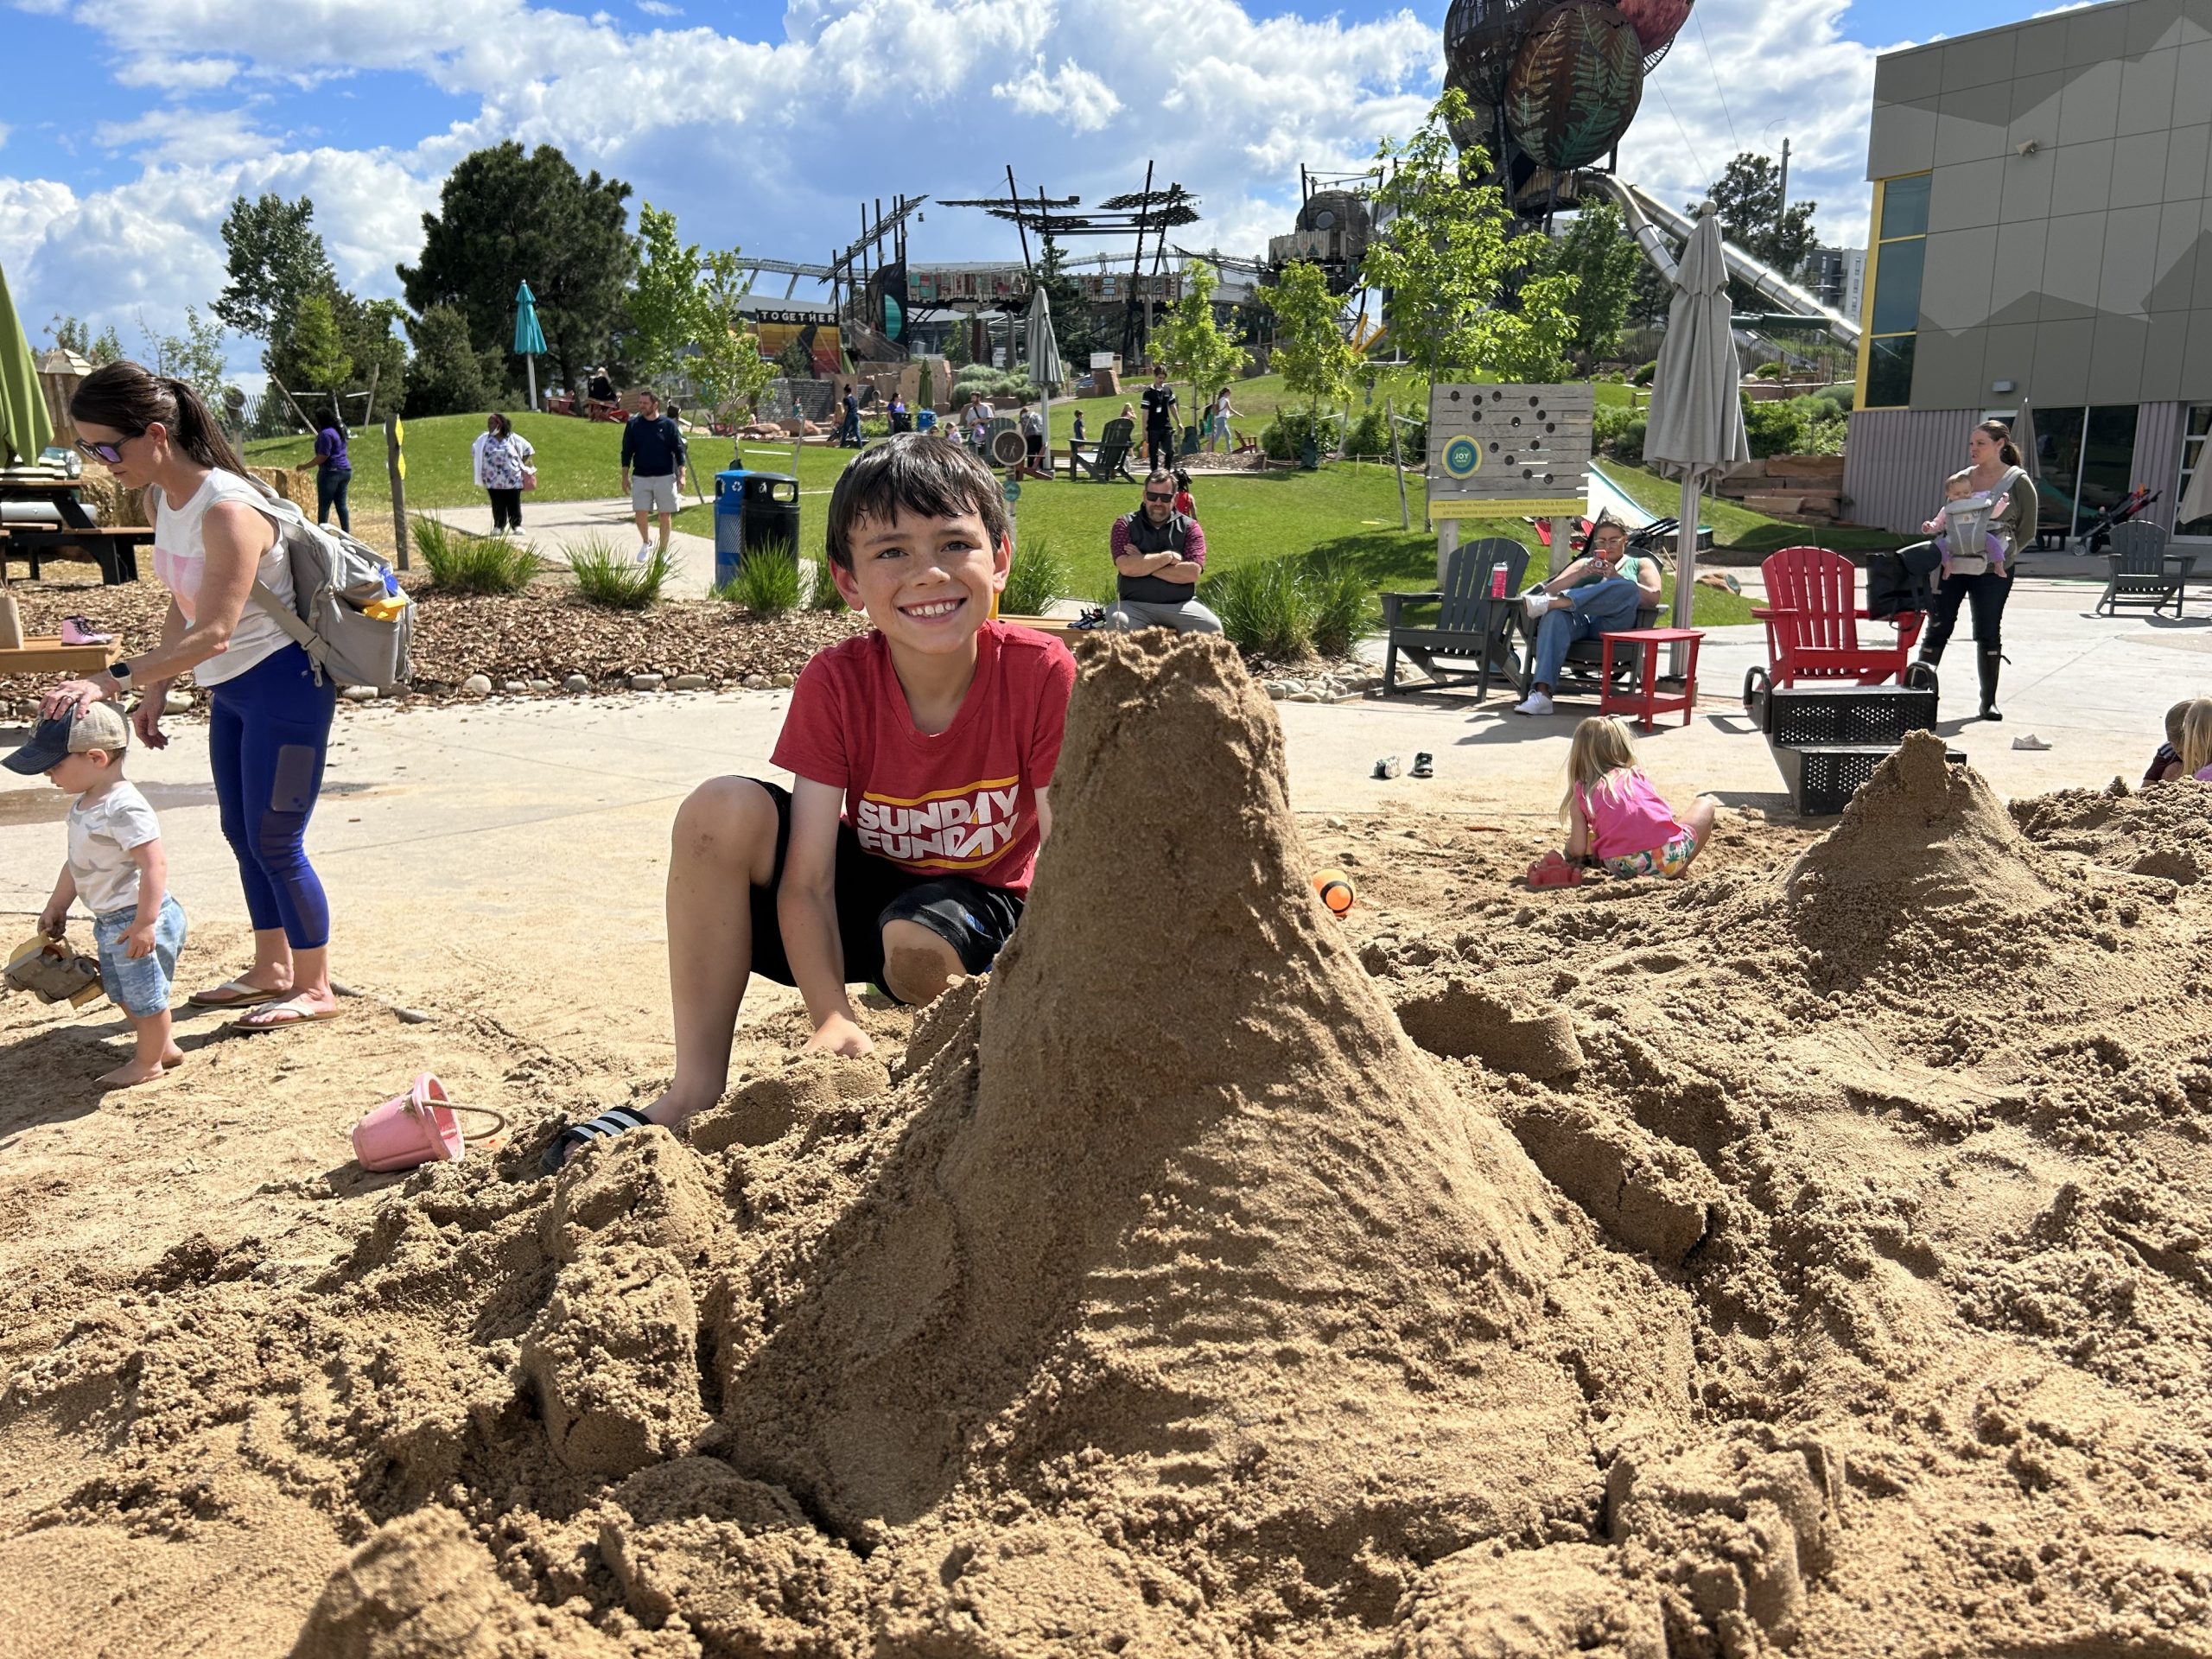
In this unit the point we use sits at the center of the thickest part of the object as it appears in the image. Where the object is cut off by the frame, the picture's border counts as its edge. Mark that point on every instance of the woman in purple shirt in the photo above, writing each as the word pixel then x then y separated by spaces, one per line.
pixel 333 472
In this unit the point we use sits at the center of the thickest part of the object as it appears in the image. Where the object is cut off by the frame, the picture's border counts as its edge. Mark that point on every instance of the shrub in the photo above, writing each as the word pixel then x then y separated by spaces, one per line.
pixel 1285 436
pixel 768 583
pixel 1767 371
pixel 1841 394
pixel 821 593
pixel 1343 605
pixel 1619 433
pixel 613 579
pixel 461 563
pixel 1367 438
pixel 1774 429
pixel 1645 375
pixel 1264 608
pixel 1039 575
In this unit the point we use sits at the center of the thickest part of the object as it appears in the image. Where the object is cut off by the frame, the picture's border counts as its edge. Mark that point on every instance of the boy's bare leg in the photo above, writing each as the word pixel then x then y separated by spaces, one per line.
pixel 723 846
pixel 157 1052
pixel 917 964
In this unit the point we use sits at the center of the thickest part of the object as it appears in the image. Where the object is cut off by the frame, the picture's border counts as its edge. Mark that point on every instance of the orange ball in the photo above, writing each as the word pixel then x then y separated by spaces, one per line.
pixel 1335 889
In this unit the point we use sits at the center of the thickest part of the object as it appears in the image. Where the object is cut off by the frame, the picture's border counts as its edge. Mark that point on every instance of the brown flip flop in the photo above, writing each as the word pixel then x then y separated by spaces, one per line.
pixel 291 1010
pixel 233 993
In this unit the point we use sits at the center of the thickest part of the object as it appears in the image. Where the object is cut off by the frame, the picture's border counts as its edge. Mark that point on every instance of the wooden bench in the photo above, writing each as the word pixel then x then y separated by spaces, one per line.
pixel 114 550
pixel 46 654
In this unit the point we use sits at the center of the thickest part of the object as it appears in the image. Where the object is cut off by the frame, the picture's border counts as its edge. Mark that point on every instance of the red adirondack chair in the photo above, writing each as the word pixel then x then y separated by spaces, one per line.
pixel 1812 618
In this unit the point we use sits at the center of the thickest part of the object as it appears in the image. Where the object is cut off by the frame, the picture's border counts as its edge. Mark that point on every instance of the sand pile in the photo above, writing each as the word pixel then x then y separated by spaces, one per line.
pixel 1722 1281
pixel 2160 831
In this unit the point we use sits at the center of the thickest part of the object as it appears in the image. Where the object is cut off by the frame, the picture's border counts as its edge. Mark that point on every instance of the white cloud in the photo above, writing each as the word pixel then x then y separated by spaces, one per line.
pixel 769 141
pixel 1073 95
pixel 178 75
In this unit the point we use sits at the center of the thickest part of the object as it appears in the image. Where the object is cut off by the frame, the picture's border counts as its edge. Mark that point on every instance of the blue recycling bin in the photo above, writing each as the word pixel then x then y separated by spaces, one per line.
pixel 729 522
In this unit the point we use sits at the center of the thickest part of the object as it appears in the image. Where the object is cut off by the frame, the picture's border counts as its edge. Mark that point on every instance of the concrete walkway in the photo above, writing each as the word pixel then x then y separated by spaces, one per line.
pixel 556 527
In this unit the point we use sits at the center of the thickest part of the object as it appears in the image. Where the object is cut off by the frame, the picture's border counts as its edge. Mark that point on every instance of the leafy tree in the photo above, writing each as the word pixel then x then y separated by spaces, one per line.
pixel 1598 253
pixel 276 258
pixel 1748 199
pixel 1074 325
pixel 1192 344
pixel 957 354
pixel 446 376
pixel 1311 350
pixel 726 364
pixel 663 301
pixel 194 357
pixel 507 216
pixel 75 334
pixel 1465 295
pixel 313 345
pixel 795 362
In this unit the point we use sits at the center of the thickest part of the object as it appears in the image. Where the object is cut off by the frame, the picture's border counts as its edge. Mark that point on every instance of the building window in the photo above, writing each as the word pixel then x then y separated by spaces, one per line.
pixel 2084 462
pixel 1892 315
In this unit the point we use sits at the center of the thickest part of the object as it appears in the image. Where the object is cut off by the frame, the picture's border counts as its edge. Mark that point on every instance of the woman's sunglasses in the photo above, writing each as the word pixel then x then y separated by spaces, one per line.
pixel 105 453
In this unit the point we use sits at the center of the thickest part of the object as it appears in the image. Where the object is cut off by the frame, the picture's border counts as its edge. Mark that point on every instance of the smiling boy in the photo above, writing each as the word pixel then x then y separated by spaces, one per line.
pixel 922 754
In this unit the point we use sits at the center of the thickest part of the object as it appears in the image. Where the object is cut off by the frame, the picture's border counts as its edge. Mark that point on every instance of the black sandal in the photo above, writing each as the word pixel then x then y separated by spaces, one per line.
pixel 608 1124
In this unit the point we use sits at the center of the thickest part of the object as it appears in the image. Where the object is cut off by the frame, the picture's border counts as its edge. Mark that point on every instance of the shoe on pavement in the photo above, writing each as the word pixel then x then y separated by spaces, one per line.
pixel 1536 704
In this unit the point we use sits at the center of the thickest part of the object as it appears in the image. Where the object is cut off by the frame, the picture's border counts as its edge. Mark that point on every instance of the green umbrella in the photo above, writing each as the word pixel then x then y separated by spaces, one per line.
pixel 25 428
pixel 529 339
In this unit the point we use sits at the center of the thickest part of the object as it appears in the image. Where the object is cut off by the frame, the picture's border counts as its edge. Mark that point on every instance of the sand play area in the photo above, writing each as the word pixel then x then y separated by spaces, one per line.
pixel 1809 1256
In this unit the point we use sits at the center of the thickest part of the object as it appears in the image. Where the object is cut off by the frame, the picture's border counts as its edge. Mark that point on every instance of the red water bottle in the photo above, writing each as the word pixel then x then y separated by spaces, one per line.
pixel 1497 582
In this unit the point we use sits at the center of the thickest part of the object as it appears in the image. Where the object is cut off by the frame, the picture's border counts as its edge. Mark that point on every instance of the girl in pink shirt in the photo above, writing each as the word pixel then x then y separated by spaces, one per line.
pixel 1613 814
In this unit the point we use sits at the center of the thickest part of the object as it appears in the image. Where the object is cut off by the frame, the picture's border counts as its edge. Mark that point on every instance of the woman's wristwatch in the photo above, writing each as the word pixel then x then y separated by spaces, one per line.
pixel 119 671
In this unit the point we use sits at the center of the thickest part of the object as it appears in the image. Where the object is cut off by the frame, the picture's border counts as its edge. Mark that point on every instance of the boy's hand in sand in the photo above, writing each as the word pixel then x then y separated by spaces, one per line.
pixel 839 1034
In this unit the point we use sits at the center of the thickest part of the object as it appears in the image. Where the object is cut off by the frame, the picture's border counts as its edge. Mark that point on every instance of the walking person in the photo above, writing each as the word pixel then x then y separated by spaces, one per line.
pixel 653 454
pixel 501 457
pixel 1158 400
pixel 333 475
pixel 848 430
pixel 1219 427
pixel 1972 578
pixel 268 716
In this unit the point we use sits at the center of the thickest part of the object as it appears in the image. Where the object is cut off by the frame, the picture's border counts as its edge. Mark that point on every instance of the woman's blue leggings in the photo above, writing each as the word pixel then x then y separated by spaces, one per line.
pixel 267 733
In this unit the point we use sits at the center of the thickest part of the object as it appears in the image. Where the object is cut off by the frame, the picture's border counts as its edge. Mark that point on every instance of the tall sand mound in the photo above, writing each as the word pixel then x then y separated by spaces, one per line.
pixel 1197 1224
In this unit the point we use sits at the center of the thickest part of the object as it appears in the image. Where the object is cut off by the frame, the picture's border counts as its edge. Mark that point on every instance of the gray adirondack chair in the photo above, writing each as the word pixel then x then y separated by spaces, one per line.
pixel 2143 577
pixel 1471 625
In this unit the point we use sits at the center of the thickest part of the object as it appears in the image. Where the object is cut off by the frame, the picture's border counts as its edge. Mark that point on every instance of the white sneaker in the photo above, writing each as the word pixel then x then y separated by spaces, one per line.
pixel 644 552
pixel 1537 703
pixel 1537 603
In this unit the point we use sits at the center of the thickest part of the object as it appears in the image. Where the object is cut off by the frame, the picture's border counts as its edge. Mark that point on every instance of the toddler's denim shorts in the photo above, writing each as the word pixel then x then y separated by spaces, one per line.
pixel 140 987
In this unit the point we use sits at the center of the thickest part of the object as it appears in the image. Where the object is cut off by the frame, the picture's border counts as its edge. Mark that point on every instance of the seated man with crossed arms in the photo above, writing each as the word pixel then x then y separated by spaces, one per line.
pixel 1159 554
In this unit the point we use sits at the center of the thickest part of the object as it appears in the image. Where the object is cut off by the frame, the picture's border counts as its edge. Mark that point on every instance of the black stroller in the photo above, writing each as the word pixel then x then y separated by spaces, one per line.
pixel 2097 536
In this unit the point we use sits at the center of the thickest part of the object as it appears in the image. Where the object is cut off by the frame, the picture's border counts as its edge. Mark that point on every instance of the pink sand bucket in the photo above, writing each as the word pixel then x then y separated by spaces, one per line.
pixel 414 1128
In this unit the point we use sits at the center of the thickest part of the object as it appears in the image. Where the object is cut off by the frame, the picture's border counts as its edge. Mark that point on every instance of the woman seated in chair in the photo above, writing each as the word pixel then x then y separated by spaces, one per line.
pixel 1598 594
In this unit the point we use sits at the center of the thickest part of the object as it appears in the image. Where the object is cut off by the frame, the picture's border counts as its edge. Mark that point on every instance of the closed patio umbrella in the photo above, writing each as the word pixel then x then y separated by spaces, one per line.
pixel 25 427
pixel 1046 370
pixel 1696 427
pixel 529 339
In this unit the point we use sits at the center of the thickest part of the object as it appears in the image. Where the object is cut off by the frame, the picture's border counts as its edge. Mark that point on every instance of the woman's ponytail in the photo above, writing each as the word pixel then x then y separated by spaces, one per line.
pixel 198 432
pixel 2001 434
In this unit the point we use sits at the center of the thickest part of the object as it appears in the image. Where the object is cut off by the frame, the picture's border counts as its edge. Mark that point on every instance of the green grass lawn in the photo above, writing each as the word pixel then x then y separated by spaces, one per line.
pixel 1738 527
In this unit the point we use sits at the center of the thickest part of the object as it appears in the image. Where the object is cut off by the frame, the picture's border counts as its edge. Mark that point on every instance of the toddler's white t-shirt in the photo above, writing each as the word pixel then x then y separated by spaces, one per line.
pixel 101 837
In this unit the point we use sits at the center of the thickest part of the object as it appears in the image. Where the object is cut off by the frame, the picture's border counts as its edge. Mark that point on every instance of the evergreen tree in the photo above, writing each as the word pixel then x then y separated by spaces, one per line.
pixel 446 376
pixel 1747 199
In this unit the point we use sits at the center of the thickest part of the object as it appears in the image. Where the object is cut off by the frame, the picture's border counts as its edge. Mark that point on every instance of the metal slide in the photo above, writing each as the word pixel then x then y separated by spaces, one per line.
pixel 1651 222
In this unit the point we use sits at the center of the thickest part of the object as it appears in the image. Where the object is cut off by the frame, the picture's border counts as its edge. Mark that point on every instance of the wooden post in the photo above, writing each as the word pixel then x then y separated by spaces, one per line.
pixel 294 402
pixel 396 465
pixel 1397 460
pixel 1447 543
pixel 369 408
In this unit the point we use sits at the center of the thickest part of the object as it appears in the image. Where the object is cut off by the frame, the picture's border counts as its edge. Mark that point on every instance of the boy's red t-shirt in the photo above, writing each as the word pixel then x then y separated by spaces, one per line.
pixel 962 802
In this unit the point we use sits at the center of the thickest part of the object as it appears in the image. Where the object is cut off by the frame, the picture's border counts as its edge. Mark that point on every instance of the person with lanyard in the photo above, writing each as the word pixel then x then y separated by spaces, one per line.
pixel 1974 581
pixel 334 475
pixel 1158 400
pixel 216 549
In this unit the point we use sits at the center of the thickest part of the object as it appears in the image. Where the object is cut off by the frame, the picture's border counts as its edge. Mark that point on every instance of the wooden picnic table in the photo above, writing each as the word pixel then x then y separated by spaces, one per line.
pixel 114 549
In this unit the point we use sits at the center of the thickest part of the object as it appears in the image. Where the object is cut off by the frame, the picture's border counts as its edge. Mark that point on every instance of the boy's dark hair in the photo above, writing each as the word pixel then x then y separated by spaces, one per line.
pixel 912 473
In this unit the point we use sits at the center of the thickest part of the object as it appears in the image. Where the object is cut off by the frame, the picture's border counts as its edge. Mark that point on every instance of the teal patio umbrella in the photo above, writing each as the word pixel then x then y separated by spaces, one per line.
pixel 25 427
pixel 529 339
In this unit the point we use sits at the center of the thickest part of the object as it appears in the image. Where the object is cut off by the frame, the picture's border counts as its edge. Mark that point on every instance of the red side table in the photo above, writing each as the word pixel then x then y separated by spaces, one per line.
pixel 1644 699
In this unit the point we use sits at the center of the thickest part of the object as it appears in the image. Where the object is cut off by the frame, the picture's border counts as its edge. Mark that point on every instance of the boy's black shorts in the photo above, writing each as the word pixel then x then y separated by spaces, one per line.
pixel 976 921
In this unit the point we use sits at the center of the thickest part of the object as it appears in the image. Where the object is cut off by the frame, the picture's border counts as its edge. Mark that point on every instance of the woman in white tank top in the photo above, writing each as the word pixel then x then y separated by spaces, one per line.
pixel 269 718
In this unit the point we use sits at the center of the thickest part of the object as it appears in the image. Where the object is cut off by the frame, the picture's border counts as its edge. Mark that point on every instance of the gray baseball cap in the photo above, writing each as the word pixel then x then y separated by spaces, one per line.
pixel 94 726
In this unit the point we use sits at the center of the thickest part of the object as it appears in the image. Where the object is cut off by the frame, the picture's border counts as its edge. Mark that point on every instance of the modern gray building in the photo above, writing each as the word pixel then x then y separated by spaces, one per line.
pixel 2038 251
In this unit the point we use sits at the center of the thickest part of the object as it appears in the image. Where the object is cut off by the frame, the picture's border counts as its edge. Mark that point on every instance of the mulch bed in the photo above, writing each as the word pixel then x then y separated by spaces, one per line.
pixel 545 634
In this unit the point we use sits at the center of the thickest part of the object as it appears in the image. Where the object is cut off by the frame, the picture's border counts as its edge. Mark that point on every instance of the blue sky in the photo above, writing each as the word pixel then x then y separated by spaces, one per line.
pixel 763 124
